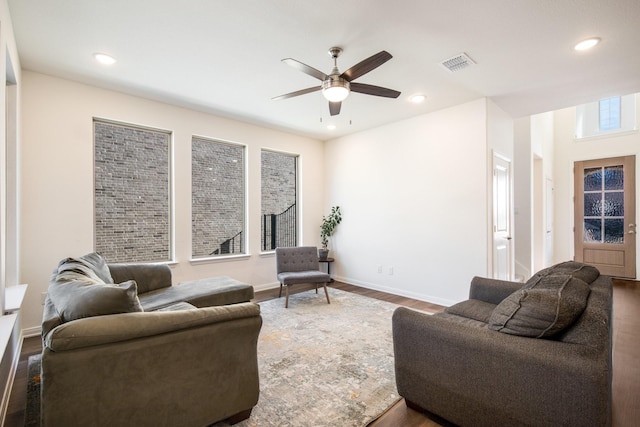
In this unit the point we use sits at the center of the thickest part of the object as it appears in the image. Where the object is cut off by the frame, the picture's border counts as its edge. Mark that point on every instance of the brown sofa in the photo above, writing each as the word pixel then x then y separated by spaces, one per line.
pixel 139 351
pixel 513 355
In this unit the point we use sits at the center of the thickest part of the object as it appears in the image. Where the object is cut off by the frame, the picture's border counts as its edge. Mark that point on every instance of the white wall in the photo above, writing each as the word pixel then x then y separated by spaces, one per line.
pixel 523 198
pixel 414 201
pixel 542 143
pixel 57 187
pixel 567 151
pixel 533 167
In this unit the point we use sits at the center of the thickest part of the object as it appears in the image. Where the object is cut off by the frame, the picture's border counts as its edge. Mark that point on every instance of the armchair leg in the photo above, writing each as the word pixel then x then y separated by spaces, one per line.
pixel 326 293
pixel 280 294
pixel 286 302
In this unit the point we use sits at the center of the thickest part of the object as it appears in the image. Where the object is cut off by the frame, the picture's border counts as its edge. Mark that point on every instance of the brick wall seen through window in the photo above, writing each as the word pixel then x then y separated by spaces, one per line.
pixel 217 198
pixel 132 193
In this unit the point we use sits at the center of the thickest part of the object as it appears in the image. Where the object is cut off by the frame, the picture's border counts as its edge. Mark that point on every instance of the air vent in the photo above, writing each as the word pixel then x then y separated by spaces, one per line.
pixel 458 62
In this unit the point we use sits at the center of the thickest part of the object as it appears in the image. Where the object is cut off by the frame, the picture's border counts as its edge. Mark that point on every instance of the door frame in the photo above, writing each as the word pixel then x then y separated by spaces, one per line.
pixel 502 238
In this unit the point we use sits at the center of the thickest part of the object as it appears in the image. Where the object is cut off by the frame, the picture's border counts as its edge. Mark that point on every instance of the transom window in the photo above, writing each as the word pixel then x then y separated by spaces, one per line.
pixel 610 113
pixel 606 117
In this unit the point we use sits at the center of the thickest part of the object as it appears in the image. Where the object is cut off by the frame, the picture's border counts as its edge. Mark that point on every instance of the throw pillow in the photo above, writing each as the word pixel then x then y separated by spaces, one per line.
pixel 76 299
pixel 92 265
pixel 584 272
pixel 545 309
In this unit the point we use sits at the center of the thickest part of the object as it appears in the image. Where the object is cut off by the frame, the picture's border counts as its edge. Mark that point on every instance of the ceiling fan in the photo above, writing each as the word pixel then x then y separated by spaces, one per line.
pixel 335 86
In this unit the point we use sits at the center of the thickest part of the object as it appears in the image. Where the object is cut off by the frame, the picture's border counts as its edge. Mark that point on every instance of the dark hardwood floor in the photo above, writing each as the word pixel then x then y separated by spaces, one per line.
pixel 626 354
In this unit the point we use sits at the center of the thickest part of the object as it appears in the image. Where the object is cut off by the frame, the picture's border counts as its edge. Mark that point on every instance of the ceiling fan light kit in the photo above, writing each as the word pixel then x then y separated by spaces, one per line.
pixel 336 87
pixel 336 90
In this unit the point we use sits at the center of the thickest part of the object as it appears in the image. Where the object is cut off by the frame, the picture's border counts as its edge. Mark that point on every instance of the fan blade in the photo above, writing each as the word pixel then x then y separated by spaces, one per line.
pixel 374 90
pixel 334 108
pixel 363 67
pixel 305 69
pixel 297 93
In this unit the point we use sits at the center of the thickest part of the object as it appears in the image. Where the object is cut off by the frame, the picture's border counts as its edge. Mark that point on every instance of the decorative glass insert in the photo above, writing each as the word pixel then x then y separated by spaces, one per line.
pixel 592 230
pixel 593 179
pixel 604 205
pixel 613 178
pixel 614 231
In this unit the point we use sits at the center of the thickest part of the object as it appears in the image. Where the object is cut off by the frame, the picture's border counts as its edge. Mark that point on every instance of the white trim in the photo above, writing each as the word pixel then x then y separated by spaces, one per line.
pixel 7 325
pixel 396 291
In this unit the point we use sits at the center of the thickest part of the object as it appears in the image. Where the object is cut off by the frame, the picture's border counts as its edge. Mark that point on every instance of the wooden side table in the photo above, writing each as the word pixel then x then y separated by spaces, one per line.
pixel 328 261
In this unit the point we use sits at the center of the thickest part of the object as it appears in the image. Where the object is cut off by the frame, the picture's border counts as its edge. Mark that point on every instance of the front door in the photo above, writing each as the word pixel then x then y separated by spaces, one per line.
pixel 604 215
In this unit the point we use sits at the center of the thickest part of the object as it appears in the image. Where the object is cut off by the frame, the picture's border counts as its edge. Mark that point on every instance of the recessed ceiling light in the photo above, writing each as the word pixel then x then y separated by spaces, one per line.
pixel 104 59
pixel 331 127
pixel 417 99
pixel 587 44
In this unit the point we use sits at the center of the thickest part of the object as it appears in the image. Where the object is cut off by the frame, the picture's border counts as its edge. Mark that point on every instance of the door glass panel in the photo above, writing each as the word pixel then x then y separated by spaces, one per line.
pixel 614 204
pixel 604 205
pixel 614 231
pixel 593 204
pixel 593 179
pixel 592 230
pixel 613 178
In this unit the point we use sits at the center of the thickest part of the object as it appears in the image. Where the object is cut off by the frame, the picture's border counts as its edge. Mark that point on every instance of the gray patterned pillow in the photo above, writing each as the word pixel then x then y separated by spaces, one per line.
pixel 542 310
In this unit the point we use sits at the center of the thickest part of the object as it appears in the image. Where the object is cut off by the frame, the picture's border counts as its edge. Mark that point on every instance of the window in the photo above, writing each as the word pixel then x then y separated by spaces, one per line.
pixel 609 113
pixel 279 195
pixel 132 193
pixel 217 198
pixel 606 117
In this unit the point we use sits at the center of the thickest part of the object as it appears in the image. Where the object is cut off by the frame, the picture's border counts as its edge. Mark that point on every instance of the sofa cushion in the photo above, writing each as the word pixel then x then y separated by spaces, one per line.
pixel 221 290
pixel 547 307
pixel 472 309
pixel 178 306
pixel 82 297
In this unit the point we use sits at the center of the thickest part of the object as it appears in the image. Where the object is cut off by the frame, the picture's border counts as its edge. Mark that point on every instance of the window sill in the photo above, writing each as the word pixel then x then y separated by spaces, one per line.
pixel 612 134
pixel 227 258
pixel 13 297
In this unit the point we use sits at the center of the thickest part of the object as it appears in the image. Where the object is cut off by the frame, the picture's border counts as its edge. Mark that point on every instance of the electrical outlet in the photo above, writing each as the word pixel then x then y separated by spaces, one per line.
pixel 390 271
pixel 379 269
pixel 43 297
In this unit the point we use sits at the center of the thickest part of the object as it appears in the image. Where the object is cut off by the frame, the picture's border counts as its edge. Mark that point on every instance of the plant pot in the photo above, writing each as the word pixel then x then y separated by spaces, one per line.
pixel 323 253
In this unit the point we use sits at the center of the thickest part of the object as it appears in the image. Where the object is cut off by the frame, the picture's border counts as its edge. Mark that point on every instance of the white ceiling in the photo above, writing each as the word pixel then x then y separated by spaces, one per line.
pixel 223 56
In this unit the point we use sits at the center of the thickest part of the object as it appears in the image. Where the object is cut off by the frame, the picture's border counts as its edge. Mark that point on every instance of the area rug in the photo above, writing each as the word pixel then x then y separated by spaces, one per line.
pixel 320 364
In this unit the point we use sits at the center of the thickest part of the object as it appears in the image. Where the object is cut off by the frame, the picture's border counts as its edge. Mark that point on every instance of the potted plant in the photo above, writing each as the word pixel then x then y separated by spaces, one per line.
pixel 329 223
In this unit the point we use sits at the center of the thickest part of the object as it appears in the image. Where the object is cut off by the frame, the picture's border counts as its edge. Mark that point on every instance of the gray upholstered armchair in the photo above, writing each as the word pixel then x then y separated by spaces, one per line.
pixel 298 265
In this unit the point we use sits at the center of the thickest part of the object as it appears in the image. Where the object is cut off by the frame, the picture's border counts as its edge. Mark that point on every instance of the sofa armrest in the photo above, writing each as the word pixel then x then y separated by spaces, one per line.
pixel 149 277
pixel 458 371
pixel 99 330
pixel 492 290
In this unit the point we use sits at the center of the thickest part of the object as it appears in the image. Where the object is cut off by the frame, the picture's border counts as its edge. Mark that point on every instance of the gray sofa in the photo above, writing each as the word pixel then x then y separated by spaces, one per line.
pixel 122 346
pixel 513 355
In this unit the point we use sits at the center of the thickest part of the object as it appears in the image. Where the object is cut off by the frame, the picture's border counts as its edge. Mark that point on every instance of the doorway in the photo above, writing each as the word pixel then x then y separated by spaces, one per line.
pixel 604 215
pixel 502 205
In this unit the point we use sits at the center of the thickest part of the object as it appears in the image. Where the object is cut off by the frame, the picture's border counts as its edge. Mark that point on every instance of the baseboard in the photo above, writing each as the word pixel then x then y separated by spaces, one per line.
pixel 394 291
pixel 32 332
pixel 266 286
